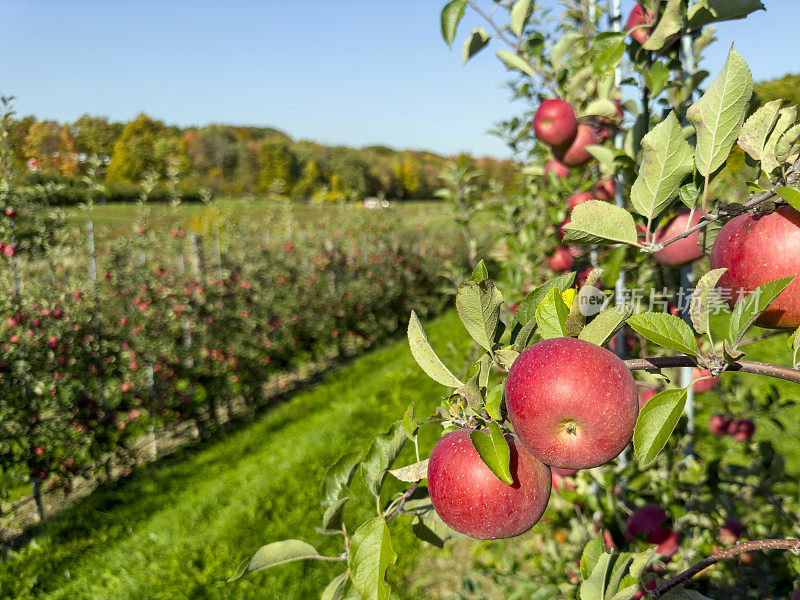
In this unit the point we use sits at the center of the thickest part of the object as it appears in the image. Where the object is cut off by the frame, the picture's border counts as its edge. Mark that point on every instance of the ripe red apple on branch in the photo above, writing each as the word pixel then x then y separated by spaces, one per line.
pixel 576 154
pixel 555 123
pixel 683 251
pixel 572 403
pixel 756 249
pixel 471 499
pixel 561 260
pixel 558 169
pixel 578 198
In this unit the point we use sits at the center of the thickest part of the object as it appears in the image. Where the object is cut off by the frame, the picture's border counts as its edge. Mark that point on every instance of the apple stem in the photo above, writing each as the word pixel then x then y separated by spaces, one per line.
pixel 727 553
pixel 744 366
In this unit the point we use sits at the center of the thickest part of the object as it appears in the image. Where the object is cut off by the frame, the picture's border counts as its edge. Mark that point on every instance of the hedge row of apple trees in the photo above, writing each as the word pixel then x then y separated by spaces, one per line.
pixel 172 328
pixel 548 431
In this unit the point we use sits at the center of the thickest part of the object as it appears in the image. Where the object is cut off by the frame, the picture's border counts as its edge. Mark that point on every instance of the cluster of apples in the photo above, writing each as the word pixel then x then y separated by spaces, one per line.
pixel 573 405
pixel 556 125
pixel 741 430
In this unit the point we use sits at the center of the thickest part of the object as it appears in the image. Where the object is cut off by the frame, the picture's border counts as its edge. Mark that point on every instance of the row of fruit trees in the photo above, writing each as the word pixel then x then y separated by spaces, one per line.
pixel 162 326
pixel 629 180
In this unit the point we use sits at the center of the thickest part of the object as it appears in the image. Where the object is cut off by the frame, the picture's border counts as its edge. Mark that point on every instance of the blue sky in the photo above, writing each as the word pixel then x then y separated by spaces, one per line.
pixel 354 72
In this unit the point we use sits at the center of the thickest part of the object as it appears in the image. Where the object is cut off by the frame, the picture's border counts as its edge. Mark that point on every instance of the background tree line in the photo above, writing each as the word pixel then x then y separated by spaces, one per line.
pixel 229 160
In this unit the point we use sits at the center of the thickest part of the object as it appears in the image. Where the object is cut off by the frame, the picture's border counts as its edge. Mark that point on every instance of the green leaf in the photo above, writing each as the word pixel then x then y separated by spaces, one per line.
pixel 689 194
pixel 787 142
pixel 332 519
pixel 476 42
pixel 280 553
pixel 520 13
pixel 666 163
pixel 493 401
pixel 335 589
pixel 786 118
pixel 755 132
pixel 451 15
pixel 609 158
pixel 514 61
pixel 670 23
pixel 506 357
pixel 432 529
pixel 426 358
pixel 523 336
pixel 527 308
pixel 719 115
pixel 596 222
pixel 338 478
pixel 551 315
pixel 793 340
pixel 605 325
pixel 656 422
pixel 657 77
pixel 704 293
pixel 370 555
pixel 791 195
pixel 416 472
pixel 621 563
pixel 640 562
pixel 591 554
pixel 563 46
pixel 606 51
pixel 493 449
pixel 471 392
pixel 703 12
pixel 601 107
pixel 665 330
pixel 748 309
pixel 594 586
pixel 381 454
pixel 410 425
pixel 708 235
pixel 478 305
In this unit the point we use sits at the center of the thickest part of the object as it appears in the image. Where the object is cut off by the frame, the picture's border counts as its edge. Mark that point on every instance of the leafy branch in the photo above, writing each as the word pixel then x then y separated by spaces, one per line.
pixel 727 553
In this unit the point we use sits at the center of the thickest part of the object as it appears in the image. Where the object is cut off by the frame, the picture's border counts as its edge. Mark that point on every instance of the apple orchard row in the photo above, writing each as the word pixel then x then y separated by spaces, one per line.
pixel 83 371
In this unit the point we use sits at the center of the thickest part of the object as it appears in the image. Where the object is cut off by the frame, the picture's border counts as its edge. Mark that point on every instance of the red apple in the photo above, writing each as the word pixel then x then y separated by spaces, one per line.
pixel 758 249
pixel 666 539
pixel 605 190
pixel 560 261
pixel 10 213
pixel 730 532
pixel 575 154
pixel 639 16
pixel 558 168
pixel 579 198
pixel 472 500
pixel 742 430
pixel 706 384
pixel 719 424
pixel 685 250
pixel 555 123
pixel 796 595
pixel 646 519
pixel 572 403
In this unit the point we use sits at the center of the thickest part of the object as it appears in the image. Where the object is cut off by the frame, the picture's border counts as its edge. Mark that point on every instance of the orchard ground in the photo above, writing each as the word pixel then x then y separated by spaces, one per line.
pixel 116 219
pixel 180 527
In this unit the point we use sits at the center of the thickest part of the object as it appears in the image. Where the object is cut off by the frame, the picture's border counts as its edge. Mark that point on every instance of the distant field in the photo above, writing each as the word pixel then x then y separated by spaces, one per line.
pixel 114 220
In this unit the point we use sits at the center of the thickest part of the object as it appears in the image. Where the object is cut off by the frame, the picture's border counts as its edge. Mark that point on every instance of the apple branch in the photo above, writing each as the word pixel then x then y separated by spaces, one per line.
pixel 743 366
pixel 401 502
pixel 727 553
pixel 710 219
pixel 515 47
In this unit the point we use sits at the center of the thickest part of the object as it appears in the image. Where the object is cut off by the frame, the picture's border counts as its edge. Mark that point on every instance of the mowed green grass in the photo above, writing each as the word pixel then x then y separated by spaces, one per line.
pixel 115 219
pixel 181 527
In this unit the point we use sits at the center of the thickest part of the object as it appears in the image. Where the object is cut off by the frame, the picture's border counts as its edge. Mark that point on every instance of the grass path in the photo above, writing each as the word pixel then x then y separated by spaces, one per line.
pixel 179 528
